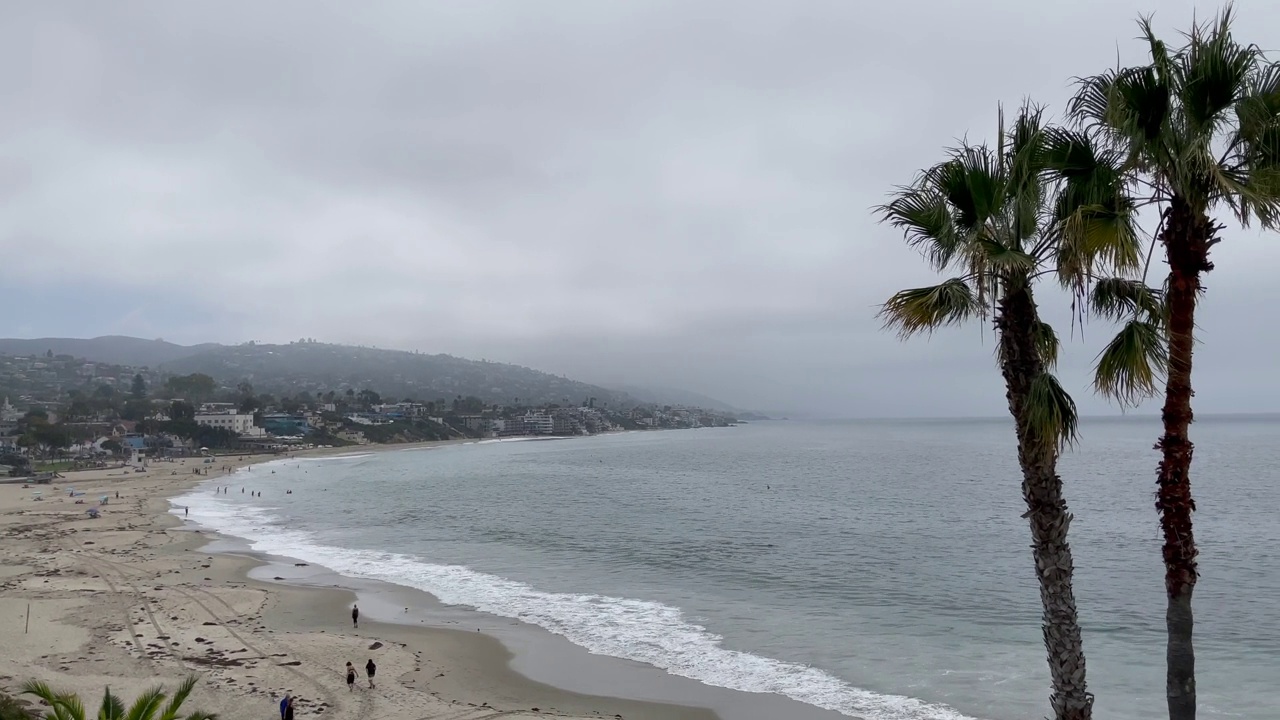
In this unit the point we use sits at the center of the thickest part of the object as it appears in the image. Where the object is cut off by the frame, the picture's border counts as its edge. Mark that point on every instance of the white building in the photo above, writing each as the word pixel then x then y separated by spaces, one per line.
pixel 539 424
pixel 237 422
pixel 9 413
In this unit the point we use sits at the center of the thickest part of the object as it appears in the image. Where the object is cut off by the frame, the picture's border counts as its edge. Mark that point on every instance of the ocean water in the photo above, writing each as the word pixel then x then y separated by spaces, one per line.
pixel 879 569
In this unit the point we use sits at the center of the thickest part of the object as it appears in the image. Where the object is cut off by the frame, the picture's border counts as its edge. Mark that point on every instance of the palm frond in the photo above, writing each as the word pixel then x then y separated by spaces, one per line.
pixel 144 707
pixel 1254 150
pixel 1130 105
pixel 1094 217
pixel 973 185
pixel 72 705
pixel 926 309
pixel 1089 237
pixel 56 701
pixel 1132 366
pixel 1050 413
pixel 1120 299
pixel 921 213
pixel 112 707
pixel 1006 260
pixel 1025 152
pixel 1211 73
pixel 1047 344
pixel 178 698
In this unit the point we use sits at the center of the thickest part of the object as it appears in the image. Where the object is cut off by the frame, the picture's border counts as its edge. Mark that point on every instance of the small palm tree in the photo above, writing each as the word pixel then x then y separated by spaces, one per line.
pixel 150 705
pixel 1199 128
pixel 1044 202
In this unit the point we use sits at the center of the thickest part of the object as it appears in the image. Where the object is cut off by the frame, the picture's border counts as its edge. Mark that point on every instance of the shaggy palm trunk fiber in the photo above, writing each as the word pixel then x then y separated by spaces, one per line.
pixel 1047 512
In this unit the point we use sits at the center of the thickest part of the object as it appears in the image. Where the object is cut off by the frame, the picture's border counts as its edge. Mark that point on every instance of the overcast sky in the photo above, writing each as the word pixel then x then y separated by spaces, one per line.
pixel 671 193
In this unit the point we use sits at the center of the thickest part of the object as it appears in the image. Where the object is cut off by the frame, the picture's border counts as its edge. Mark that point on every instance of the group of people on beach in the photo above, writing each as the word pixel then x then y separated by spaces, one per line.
pixel 370 669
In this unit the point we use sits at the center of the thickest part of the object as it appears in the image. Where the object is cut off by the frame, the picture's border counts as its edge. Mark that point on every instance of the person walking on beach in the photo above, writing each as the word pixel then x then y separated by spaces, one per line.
pixel 284 704
pixel 355 617
pixel 370 669
pixel 288 709
pixel 351 677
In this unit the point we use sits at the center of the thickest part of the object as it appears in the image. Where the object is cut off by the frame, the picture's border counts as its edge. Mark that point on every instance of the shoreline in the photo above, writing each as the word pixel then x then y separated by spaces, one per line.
pixel 173 584
pixel 535 653
pixel 132 598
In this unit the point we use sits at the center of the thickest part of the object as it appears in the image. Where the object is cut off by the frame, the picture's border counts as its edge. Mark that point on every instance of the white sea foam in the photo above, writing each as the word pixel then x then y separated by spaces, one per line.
pixel 331 458
pixel 640 630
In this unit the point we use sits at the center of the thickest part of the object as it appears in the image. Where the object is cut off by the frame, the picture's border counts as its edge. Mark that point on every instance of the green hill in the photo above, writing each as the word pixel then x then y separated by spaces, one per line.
pixel 320 367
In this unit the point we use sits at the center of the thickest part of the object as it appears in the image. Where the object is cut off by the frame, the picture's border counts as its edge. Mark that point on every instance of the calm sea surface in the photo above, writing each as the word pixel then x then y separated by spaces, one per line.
pixel 876 568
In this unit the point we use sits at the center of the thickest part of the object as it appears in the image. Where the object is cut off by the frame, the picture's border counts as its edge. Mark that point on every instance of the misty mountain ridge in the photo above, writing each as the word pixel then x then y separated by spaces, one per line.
pixel 675 396
pixel 111 349
pixel 320 367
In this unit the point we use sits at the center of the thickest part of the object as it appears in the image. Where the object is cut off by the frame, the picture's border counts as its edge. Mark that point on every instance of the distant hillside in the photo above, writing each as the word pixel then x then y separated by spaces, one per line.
pixel 113 349
pixel 676 396
pixel 320 367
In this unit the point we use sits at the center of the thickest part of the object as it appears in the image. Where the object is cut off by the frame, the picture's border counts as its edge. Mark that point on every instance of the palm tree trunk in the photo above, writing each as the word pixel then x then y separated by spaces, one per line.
pixel 1186 238
pixel 1047 510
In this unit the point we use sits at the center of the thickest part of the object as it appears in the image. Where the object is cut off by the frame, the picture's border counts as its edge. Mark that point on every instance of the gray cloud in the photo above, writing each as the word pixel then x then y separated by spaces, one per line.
pixel 674 193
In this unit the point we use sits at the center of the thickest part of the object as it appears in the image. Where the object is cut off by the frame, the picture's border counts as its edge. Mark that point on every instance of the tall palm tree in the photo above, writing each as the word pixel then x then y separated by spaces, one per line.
pixel 1043 202
pixel 1199 127
pixel 150 705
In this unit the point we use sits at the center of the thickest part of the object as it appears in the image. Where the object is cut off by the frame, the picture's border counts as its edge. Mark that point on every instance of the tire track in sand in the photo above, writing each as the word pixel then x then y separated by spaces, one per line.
pixel 223 622
pixel 89 561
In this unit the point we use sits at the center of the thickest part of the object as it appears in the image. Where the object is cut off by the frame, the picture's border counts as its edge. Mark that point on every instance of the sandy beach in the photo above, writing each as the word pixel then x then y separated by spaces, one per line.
pixel 131 599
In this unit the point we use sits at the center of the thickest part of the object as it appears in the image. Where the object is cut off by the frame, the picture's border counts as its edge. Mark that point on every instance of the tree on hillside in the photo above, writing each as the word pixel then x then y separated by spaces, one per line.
pixel 104 399
pixel 999 220
pixel 180 410
pixel 150 705
pixel 195 387
pixel 139 387
pixel 136 409
pixel 81 408
pixel 1199 130
pixel 45 438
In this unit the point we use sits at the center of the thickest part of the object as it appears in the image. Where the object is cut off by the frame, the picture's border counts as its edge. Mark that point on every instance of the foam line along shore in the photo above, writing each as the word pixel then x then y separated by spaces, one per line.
pixel 131 598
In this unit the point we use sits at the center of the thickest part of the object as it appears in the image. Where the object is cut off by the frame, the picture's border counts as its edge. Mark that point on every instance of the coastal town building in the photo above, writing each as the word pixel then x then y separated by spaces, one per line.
pixel 537 423
pixel 8 413
pixel 285 424
pixel 235 421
